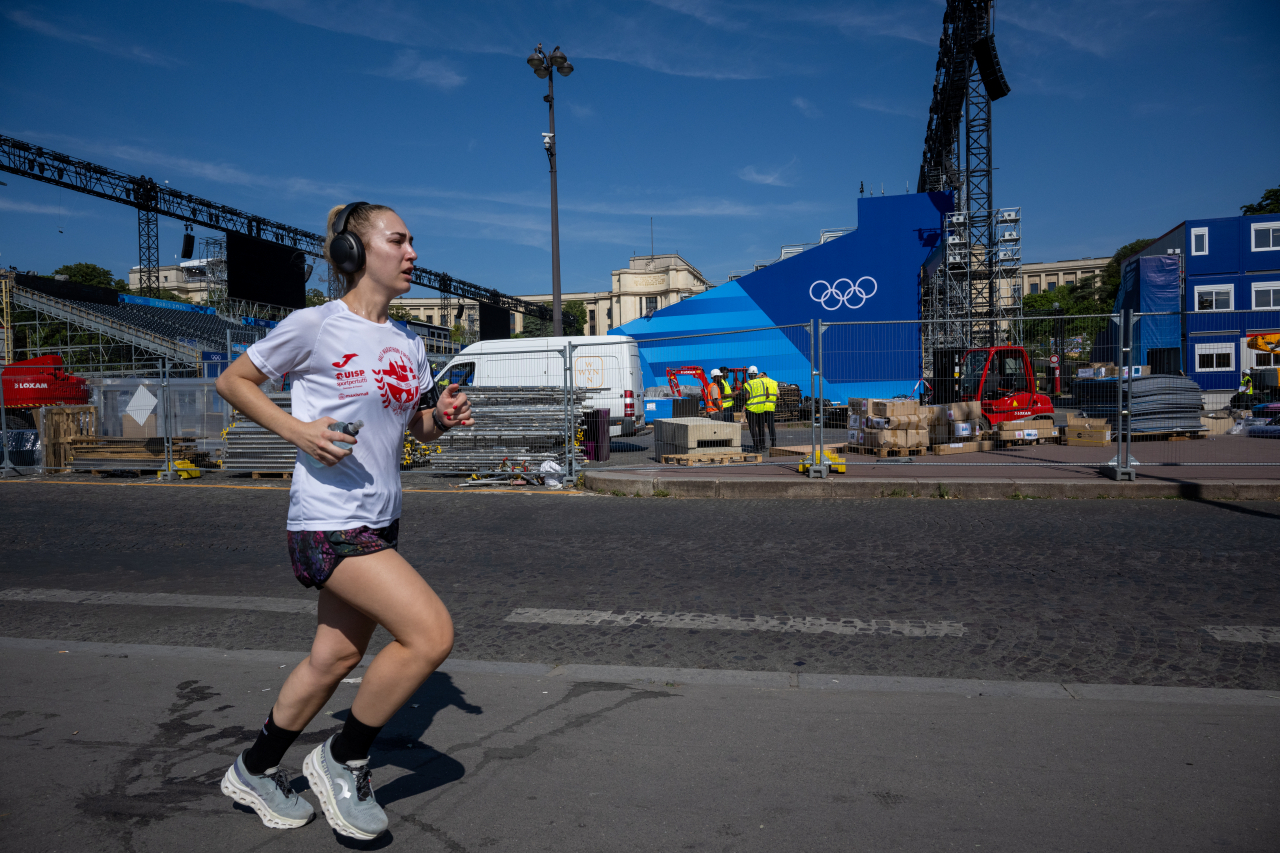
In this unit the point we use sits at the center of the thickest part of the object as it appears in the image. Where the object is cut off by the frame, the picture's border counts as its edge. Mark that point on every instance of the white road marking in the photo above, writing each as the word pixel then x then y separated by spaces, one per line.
pixel 161 599
pixel 1244 633
pixel 708 621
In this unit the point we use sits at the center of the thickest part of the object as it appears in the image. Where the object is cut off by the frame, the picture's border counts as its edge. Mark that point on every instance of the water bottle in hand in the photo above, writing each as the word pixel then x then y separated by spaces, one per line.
pixel 350 429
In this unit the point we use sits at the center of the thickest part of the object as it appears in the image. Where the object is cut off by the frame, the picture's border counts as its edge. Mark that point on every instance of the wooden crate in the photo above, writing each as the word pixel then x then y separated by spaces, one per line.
pixel 272 475
pixel 60 426
pixel 1171 435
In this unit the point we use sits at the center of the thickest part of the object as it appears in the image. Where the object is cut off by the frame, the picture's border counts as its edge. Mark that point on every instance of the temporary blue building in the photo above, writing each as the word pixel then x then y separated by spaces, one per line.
pixel 1229 290
pixel 873 273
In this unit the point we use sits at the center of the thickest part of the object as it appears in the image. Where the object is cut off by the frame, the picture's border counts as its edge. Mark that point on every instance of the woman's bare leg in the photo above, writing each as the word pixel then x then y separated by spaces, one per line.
pixel 387 590
pixel 342 635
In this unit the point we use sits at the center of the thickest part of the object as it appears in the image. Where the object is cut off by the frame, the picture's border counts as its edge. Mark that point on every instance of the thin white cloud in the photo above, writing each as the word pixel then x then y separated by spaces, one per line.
pixel 580 110
pixel 109 46
pixel 705 11
pixel 776 178
pixel 410 66
pixel 806 107
pixel 28 207
pixel 879 106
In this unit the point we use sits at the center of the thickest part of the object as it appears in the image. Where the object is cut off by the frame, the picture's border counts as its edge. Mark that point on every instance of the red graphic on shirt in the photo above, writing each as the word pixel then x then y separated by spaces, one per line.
pixel 398 385
pixel 346 358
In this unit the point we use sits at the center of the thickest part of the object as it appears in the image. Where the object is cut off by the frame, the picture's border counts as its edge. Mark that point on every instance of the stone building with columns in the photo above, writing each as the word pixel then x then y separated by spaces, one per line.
pixel 647 283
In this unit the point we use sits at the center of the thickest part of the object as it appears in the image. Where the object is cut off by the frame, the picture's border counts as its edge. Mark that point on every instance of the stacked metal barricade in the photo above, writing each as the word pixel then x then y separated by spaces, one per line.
pixel 1159 403
pixel 252 448
pixel 517 428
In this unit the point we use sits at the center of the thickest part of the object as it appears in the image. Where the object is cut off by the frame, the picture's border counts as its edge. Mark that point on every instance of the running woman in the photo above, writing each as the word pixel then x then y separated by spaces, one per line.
pixel 348 363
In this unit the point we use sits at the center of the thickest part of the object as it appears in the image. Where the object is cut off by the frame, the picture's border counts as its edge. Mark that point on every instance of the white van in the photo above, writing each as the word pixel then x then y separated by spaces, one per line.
pixel 608 362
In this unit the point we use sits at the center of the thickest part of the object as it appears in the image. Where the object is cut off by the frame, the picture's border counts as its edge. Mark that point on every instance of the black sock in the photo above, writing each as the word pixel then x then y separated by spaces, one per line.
pixel 269 748
pixel 353 742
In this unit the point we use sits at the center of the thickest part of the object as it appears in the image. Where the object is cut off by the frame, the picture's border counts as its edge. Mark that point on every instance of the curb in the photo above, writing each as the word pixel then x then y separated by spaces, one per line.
pixel 1015 488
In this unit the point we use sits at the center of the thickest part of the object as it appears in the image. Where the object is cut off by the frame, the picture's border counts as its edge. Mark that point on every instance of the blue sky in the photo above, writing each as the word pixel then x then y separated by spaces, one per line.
pixel 737 126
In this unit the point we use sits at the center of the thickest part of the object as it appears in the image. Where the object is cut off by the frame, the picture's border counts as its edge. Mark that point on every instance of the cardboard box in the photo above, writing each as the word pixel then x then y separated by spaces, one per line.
pixel 894 408
pixel 967 411
pixel 899 439
pixel 1086 437
pixel 934 414
pixel 986 445
pixel 964 429
pixel 915 421
pixel 955 447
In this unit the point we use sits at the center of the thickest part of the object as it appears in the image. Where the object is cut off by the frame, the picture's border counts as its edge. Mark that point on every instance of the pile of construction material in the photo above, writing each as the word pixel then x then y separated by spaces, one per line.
pixel 112 453
pixel 516 428
pixel 252 448
pixel 1160 403
pixel 686 441
pixel 894 427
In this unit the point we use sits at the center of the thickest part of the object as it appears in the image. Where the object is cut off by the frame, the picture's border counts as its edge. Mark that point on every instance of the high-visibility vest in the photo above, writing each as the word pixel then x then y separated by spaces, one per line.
pixel 771 390
pixel 726 394
pixel 757 395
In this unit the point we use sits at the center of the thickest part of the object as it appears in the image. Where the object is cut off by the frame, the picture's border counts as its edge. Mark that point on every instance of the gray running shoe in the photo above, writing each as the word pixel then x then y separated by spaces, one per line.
pixel 346 794
pixel 269 795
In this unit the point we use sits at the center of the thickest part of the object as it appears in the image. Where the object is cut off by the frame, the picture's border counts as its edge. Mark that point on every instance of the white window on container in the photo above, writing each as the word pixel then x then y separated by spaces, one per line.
pixel 1199 241
pixel 1266 294
pixel 1211 357
pixel 1213 297
pixel 1266 237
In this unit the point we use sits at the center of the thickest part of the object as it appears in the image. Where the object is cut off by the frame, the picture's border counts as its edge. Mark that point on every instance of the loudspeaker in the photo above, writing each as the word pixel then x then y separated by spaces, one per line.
pixel 188 245
pixel 984 51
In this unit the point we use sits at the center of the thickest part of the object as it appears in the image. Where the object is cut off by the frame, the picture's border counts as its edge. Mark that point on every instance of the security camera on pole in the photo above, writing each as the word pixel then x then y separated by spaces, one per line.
pixel 542 65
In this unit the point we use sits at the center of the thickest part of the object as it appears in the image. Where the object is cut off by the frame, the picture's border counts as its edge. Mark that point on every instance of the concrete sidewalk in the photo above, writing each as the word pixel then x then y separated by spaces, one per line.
pixel 121 748
pixel 921 481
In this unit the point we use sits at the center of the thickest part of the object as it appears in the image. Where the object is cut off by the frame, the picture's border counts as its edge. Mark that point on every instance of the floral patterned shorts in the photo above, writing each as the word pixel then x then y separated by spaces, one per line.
pixel 316 553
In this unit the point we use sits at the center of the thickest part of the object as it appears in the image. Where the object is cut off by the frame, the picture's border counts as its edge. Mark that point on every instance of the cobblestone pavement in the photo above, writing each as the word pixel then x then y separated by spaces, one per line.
pixel 1086 591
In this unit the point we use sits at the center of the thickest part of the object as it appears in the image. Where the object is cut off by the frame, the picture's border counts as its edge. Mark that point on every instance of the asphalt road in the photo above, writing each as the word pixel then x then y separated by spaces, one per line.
pixel 1100 591
pixel 144 630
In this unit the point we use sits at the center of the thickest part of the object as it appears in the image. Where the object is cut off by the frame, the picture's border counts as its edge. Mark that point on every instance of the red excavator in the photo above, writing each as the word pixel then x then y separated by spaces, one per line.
pixel 1001 378
pixel 37 382
pixel 710 394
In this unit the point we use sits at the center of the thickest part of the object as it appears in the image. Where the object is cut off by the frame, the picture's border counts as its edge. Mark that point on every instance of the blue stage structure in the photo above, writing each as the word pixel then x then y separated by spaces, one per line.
pixel 870 274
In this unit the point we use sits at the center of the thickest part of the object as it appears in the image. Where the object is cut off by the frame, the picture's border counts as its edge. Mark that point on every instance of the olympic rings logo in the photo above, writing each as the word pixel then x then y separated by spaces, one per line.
pixel 842 296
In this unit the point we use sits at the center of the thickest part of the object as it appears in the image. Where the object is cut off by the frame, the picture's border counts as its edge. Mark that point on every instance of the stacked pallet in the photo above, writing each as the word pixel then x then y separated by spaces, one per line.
pixel 254 449
pixel 516 428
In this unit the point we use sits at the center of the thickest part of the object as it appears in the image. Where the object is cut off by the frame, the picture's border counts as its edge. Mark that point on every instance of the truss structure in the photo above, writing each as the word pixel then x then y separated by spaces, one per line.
pixel 153 200
pixel 973 298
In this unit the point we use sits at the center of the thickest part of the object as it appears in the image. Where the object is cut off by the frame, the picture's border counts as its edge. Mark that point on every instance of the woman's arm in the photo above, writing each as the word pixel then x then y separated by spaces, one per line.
pixel 238 385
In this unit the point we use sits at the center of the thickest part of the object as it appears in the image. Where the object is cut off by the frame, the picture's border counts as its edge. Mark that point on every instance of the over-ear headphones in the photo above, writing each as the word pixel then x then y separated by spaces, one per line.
pixel 346 250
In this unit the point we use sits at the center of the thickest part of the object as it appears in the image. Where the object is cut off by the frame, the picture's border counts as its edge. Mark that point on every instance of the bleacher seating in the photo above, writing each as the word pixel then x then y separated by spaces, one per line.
pixel 209 330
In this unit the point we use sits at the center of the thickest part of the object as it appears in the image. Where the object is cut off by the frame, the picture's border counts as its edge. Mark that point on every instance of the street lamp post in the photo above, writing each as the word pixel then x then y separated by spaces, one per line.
pixel 542 65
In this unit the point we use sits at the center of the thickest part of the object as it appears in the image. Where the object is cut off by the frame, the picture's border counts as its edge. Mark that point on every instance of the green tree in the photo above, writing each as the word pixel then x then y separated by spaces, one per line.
pixel 457 334
pixel 398 312
pixel 573 318
pixel 1270 203
pixel 91 274
pixel 315 297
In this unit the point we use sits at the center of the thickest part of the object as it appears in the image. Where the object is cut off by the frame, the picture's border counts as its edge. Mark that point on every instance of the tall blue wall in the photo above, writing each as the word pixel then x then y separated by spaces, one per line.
pixel 882 259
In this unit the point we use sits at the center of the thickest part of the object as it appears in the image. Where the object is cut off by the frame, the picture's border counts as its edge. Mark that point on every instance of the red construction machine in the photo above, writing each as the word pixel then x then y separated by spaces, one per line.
pixel 37 382
pixel 1002 379
pixel 710 395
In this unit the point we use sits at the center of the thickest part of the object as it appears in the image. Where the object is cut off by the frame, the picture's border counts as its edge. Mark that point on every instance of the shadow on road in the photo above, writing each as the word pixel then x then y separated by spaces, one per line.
pixel 401 743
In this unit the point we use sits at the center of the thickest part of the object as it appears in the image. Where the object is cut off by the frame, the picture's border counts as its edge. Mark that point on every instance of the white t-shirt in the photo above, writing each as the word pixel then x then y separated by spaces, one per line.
pixel 346 367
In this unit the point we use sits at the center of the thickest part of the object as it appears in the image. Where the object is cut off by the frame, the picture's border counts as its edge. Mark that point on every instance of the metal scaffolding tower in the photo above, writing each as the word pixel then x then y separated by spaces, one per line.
pixel 973 298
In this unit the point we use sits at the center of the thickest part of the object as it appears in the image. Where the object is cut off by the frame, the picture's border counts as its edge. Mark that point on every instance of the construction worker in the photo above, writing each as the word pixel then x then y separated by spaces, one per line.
pixel 726 393
pixel 713 390
pixel 1246 384
pixel 757 395
pixel 770 404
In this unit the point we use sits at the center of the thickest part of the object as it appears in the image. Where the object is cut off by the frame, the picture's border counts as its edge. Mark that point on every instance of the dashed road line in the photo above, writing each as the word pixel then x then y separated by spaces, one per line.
pixel 710 621
pixel 161 599
pixel 1244 633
